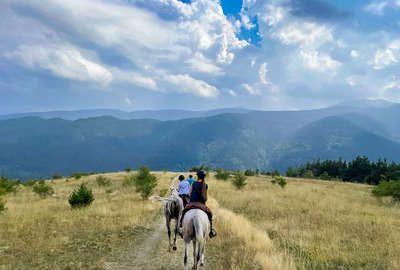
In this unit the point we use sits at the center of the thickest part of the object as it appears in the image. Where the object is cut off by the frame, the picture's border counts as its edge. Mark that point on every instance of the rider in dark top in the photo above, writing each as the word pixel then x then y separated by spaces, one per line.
pixel 198 197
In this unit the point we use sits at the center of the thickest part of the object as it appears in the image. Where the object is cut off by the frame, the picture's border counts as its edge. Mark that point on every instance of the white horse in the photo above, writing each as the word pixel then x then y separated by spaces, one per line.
pixel 173 207
pixel 195 227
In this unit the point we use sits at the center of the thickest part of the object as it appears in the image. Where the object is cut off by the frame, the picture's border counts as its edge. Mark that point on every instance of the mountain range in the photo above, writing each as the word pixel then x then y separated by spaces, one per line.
pixel 39 145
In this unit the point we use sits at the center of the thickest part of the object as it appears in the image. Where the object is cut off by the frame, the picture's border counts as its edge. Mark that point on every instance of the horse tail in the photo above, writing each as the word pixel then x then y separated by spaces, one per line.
pixel 198 230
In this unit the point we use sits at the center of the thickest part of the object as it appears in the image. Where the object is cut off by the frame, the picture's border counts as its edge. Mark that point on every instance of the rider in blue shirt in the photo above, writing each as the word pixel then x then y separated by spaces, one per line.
pixel 184 189
pixel 191 180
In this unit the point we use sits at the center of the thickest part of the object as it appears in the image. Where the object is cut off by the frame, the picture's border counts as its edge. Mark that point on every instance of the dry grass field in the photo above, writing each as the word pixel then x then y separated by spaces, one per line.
pixel 307 225
pixel 320 224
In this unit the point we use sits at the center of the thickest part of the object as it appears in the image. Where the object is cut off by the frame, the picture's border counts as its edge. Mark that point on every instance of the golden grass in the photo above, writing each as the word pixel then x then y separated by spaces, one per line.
pixel 47 234
pixel 323 225
pixel 310 224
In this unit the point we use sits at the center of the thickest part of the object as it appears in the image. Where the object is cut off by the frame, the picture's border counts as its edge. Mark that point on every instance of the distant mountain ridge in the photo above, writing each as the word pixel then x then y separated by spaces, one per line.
pixel 162 115
pixel 35 147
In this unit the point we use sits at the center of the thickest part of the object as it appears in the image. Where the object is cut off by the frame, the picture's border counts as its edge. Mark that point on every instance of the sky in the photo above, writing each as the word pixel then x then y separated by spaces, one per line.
pixel 196 54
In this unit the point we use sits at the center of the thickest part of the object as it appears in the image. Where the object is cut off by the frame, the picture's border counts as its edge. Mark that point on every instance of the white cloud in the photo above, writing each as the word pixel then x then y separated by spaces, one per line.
pixel 128 101
pixel 232 93
pixel 319 61
pixel 262 73
pixel 351 81
pixel 134 78
pixel 249 89
pixel 63 61
pixel 386 57
pixel 274 15
pixel 186 84
pixel 376 8
pixel 246 23
pixel 199 63
pixel 354 53
pixel 306 34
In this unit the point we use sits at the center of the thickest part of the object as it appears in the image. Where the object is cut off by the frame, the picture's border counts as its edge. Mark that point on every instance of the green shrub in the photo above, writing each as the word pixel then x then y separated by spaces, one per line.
pixel 128 181
pixel 7 185
pixel 198 168
pixel 239 180
pixel 30 182
pixel 279 180
pixel 388 188
pixel 2 205
pixel 128 170
pixel 43 189
pixel 163 192
pixel 57 176
pixel 222 174
pixel 324 176
pixel 308 174
pixel 82 196
pixel 144 181
pixel 249 172
pixel 78 175
pixel 103 181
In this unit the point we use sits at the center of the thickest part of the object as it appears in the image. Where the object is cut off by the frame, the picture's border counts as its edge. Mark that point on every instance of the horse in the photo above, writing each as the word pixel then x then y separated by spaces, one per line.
pixel 195 227
pixel 173 207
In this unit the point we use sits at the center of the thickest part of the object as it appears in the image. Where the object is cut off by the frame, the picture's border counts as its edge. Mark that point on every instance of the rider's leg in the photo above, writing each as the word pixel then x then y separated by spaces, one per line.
pixel 212 233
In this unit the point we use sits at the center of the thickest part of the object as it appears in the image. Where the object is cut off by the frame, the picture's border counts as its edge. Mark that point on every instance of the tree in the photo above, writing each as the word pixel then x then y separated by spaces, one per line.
pixel 239 180
pixel 144 182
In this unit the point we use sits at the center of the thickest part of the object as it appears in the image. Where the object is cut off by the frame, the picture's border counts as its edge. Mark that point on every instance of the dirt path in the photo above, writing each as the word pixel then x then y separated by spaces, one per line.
pixel 150 251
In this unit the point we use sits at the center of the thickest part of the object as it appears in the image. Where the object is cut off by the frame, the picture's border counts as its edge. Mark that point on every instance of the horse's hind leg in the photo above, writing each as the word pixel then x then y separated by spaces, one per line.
pixel 176 231
pixel 185 255
pixel 195 254
pixel 168 222
pixel 203 254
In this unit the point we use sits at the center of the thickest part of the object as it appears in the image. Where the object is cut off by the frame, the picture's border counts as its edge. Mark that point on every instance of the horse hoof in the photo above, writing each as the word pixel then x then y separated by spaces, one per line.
pixel 174 248
pixel 201 264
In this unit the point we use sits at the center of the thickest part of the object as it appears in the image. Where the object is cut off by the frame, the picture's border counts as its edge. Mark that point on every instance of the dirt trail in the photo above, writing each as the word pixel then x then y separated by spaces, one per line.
pixel 150 251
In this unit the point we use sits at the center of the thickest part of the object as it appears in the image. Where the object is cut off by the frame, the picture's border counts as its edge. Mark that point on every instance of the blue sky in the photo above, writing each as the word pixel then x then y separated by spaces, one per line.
pixel 198 54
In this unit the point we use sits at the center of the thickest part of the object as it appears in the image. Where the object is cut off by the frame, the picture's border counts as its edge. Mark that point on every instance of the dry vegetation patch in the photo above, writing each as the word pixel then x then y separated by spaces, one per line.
pixel 48 234
pixel 323 225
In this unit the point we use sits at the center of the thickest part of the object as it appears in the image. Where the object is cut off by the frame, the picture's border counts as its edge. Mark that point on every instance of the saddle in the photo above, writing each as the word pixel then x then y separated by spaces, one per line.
pixel 197 205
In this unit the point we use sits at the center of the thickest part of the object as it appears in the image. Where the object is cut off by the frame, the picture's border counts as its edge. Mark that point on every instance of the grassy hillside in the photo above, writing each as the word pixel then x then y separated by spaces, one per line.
pixel 308 225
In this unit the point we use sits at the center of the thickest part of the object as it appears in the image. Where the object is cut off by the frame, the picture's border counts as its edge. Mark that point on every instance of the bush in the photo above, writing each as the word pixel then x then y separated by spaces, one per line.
pixel 201 167
pixel 78 175
pixel 308 174
pixel 250 172
pixel 42 189
pixel 280 181
pixel 388 188
pixel 103 181
pixel 163 192
pixel 7 185
pixel 30 183
pixel 222 174
pixel 239 180
pixel 57 176
pixel 82 196
pixel 324 176
pixel 144 181
pixel 2 205
pixel 128 170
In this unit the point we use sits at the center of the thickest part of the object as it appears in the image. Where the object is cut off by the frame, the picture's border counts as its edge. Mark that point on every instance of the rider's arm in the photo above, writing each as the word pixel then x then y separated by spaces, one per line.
pixel 190 192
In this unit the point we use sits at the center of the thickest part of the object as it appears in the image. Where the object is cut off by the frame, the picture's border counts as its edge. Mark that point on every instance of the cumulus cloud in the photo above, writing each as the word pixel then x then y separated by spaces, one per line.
pixel 63 61
pixel 376 8
pixel 186 84
pixel 262 73
pixel 134 78
pixel 320 62
pixel 199 63
pixel 250 89
pixel 388 56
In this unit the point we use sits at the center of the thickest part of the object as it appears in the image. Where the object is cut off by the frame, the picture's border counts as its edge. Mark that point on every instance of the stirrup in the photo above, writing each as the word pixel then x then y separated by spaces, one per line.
pixel 212 233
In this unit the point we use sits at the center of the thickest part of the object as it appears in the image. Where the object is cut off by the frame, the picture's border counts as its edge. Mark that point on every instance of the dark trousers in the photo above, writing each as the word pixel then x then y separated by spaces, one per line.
pixel 185 199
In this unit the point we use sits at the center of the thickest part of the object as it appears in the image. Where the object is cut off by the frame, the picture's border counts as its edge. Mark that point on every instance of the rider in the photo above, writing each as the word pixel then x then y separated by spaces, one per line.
pixel 184 189
pixel 191 180
pixel 198 198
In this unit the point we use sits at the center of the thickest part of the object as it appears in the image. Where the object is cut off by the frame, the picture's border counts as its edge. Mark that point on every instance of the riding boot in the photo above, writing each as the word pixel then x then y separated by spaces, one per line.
pixel 212 233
